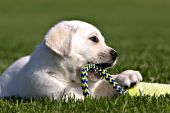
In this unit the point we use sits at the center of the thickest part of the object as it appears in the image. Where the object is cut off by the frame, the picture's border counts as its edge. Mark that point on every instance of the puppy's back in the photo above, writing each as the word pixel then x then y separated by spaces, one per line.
pixel 11 72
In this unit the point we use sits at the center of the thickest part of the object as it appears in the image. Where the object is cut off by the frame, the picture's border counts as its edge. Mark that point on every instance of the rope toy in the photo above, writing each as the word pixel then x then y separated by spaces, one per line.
pixel 142 88
pixel 103 72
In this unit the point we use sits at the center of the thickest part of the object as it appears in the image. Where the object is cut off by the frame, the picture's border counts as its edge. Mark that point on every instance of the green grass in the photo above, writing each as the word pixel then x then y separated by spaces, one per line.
pixel 122 104
pixel 138 30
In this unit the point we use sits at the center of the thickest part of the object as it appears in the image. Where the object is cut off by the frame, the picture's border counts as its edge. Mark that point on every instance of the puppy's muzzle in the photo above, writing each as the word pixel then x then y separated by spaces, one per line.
pixel 113 54
pixel 113 57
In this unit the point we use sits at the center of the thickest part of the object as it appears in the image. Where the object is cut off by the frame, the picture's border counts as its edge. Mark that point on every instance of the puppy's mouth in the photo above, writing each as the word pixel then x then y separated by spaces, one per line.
pixel 94 76
pixel 104 65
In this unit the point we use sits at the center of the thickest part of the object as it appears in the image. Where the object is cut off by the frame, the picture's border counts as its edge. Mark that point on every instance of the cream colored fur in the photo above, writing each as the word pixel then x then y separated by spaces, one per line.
pixel 53 70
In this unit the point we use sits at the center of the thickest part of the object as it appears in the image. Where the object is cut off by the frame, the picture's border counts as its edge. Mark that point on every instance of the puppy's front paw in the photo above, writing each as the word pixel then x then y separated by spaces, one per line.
pixel 129 78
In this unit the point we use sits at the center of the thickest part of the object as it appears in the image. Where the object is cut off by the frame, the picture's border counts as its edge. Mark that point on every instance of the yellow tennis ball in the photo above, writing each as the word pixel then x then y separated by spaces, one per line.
pixel 134 91
pixel 152 89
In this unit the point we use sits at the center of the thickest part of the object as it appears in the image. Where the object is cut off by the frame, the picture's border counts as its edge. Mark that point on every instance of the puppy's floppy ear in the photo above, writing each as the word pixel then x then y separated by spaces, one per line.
pixel 59 38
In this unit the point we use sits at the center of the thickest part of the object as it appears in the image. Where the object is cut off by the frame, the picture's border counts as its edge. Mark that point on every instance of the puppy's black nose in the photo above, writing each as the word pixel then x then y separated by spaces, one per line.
pixel 113 54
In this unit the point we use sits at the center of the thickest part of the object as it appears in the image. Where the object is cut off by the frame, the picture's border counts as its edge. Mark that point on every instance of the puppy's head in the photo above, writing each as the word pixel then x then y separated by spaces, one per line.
pixel 81 41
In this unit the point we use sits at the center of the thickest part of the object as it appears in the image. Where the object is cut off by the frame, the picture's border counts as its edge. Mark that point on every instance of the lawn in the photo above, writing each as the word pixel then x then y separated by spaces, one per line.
pixel 138 30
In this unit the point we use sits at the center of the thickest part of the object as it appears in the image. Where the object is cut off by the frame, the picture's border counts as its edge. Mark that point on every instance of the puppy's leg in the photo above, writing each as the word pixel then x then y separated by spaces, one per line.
pixel 103 88
pixel 127 78
pixel 75 93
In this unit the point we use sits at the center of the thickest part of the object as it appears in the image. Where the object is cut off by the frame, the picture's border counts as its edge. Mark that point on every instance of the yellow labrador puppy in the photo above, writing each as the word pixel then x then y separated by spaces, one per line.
pixel 53 70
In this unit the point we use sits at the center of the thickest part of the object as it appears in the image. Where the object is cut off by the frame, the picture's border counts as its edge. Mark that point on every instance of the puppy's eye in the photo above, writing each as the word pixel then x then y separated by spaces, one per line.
pixel 94 39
